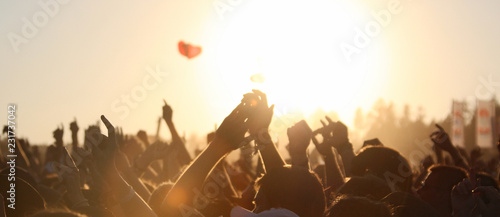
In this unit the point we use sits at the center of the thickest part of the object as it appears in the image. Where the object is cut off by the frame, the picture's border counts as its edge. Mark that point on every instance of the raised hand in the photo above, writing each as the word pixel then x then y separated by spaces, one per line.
pixel 104 152
pixel 261 113
pixel 335 134
pixel 339 133
pixel 441 139
pixel 299 136
pixel 232 130
pixel 334 177
pixel 324 147
pixel 184 157
pixel 229 135
pixel 92 136
pixel 167 112
pixel 58 135
pixel 143 136
pixel 73 126
pixel 121 138
pixel 155 151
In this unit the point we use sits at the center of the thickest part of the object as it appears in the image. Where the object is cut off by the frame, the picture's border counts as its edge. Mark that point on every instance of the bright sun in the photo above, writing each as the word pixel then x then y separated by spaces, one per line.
pixel 295 47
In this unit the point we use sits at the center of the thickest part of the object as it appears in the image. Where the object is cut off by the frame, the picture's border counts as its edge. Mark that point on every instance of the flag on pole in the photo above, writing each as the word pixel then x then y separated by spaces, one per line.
pixel 484 125
pixel 457 127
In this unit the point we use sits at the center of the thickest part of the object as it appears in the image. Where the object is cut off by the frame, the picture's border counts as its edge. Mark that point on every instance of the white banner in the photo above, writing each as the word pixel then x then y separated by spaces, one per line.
pixel 457 127
pixel 484 125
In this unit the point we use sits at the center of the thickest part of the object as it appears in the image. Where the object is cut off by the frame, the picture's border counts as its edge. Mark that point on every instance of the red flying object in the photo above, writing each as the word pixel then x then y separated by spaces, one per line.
pixel 188 50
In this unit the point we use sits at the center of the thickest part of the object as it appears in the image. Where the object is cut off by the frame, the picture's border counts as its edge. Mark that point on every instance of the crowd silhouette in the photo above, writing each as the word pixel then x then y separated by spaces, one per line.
pixel 113 174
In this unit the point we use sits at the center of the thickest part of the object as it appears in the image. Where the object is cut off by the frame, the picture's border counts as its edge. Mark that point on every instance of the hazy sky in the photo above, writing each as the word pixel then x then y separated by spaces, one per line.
pixel 85 58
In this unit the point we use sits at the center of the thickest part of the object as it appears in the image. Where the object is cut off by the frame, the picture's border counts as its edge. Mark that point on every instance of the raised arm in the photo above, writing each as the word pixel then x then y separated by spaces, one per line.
pixel 131 203
pixel 229 136
pixel 73 126
pixel 442 140
pixel 258 126
pixel 334 177
pixel 299 137
pixel 340 141
pixel 184 157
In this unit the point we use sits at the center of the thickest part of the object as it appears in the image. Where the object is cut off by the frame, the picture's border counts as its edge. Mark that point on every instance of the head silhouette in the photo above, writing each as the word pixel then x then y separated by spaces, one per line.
pixel 437 186
pixel 293 188
pixel 385 163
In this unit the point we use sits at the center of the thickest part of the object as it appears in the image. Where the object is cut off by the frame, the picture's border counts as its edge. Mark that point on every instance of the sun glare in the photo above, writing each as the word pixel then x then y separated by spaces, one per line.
pixel 295 56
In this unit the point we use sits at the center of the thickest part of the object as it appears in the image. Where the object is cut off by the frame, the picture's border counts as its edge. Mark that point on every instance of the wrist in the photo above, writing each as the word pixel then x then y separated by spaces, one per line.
pixel 168 121
pixel 299 159
pixel 453 152
pixel 342 147
pixel 263 137
pixel 297 154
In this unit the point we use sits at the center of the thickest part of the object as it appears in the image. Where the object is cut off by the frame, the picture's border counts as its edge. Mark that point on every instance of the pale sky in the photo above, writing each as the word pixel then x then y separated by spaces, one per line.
pixel 82 58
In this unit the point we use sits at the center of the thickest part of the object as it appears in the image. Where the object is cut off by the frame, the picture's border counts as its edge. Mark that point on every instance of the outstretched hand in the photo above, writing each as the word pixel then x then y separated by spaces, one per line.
pixel 441 139
pixel 167 112
pixel 231 132
pixel 334 133
pixel 325 146
pixel 58 134
pixel 155 151
pixel 339 133
pixel 299 136
pixel 143 136
pixel 73 126
pixel 261 114
pixel 104 152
